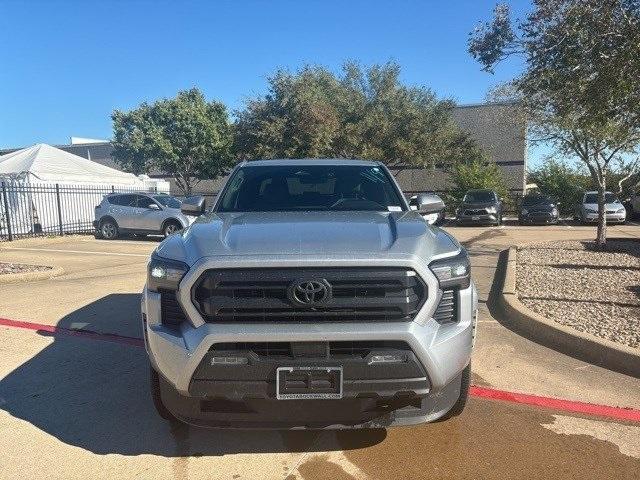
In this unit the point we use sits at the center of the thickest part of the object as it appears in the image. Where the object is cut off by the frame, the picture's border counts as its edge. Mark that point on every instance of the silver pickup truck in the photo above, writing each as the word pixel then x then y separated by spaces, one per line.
pixel 310 296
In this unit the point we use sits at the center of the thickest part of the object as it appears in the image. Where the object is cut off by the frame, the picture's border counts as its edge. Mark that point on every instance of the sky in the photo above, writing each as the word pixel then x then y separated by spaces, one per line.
pixel 65 66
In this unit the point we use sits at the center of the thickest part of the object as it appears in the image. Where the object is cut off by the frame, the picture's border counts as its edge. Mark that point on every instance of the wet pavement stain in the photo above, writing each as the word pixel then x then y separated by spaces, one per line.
pixel 180 464
pixel 329 469
pixel 489 440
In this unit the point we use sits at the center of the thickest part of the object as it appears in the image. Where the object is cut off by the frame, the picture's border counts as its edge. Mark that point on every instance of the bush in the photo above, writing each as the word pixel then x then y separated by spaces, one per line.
pixel 475 175
pixel 562 182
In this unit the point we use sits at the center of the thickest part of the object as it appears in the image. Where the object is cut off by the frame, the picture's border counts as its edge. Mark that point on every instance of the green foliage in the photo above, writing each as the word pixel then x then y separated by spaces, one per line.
pixel 561 181
pixel 185 136
pixel 580 82
pixel 365 114
pixel 477 174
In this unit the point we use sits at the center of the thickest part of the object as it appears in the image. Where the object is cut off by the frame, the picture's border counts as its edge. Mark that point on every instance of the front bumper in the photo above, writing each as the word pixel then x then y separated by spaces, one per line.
pixel 611 217
pixel 478 219
pixel 538 218
pixel 441 351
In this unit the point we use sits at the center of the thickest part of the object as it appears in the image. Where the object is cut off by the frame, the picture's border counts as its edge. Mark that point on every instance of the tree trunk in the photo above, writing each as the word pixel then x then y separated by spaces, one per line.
pixel 601 237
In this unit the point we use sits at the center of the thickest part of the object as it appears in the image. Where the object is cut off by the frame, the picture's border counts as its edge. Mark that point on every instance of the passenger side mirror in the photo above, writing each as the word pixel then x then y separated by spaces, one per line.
pixel 154 206
pixel 426 203
pixel 193 206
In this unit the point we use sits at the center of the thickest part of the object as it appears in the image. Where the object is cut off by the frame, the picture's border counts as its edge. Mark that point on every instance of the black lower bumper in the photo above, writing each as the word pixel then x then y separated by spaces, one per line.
pixel 242 393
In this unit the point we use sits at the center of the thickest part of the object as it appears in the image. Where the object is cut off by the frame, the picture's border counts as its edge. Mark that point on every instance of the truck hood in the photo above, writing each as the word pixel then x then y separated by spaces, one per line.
pixel 341 234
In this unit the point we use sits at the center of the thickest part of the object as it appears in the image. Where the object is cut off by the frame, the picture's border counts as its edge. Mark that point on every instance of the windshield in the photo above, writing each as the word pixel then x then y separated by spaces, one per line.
pixel 537 200
pixel 315 187
pixel 479 196
pixel 593 198
pixel 167 201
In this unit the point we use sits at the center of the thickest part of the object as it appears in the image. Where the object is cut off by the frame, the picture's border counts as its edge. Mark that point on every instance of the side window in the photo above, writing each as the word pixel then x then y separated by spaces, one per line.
pixel 127 200
pixel 121 200
pixel 144 202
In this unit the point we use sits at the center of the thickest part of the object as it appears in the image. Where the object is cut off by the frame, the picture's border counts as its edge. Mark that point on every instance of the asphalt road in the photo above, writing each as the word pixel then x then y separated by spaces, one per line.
pixel 79 407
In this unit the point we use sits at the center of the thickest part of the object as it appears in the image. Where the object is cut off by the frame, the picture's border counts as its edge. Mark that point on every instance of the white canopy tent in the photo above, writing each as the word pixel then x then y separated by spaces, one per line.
pixel 49 189
pixel 44 163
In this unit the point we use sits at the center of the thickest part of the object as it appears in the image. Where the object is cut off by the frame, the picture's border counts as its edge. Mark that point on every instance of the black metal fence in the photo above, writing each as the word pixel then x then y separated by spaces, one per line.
pixel 31 210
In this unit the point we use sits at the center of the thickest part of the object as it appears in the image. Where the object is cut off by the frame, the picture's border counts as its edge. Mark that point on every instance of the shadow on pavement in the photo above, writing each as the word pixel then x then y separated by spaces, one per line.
pixel 95 395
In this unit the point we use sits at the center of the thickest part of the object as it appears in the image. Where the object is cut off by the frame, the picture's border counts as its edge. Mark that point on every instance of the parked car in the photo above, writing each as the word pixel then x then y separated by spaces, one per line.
pixel 311 297
pixel 437 218
pixel 140 214
pixel 480 207
pixel 587 211
pixel 633 203
pixel 538 209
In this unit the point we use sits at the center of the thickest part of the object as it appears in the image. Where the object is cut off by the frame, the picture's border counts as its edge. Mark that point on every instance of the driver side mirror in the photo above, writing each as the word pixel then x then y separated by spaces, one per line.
pixel 426 203
pixel 193 206
pixel 154 206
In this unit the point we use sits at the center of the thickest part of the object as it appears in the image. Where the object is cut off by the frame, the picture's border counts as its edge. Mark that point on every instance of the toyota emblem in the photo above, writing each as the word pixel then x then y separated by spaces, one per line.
pixel 310 292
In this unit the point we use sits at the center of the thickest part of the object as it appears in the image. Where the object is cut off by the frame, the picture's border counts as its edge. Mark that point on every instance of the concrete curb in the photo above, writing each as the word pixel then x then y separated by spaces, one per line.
pixel 30 276
pixel 585 346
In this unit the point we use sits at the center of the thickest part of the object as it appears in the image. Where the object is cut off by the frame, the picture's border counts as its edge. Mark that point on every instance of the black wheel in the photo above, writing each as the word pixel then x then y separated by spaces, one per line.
pixel 154 385
pixel 170 228
pixel 97 234
pixel 458 407
pixel 109 229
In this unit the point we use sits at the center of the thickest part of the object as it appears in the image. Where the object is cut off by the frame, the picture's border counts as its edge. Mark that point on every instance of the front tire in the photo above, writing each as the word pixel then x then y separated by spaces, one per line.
pixel 154 384
pixel 458 407
pixel 170 228
pixel 109 230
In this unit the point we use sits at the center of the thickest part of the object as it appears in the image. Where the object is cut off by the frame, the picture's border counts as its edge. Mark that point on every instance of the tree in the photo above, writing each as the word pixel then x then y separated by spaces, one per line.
pixel 562 182
pixel 186 137
pixel 580 84
pixel 365 114
pixel 477 174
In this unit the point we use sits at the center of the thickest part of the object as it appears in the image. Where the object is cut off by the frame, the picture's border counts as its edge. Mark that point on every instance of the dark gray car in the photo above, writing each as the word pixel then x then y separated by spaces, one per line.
pixel 480 207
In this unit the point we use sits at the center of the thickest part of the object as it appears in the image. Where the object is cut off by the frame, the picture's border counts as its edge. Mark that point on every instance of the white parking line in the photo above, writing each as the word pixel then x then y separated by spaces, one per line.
pixel 83 252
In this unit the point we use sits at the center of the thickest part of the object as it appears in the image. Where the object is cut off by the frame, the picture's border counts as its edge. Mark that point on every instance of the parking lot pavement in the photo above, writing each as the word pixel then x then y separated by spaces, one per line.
pixel 79 407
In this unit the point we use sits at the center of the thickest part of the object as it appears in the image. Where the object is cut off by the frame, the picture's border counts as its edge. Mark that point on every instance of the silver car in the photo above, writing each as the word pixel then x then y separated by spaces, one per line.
pixel 311 296
pixel 139 214
pixel 587 211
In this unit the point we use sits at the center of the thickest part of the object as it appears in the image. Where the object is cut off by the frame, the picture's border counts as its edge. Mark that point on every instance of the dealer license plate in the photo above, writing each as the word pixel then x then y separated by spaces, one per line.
pixel 306 383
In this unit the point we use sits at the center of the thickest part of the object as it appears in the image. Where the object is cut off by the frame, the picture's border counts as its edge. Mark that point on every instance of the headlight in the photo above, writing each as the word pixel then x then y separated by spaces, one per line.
pixel 525 211
pixel 165 274
pixel 620 210
pixel 453 272
pixel 554 211
pixel 491 209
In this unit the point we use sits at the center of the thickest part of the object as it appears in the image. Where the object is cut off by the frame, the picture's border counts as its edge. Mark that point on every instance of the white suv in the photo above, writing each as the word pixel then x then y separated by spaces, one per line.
pixel 140 214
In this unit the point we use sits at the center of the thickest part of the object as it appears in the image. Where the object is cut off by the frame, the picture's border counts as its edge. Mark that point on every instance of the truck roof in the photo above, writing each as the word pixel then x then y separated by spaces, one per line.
pixel 310 161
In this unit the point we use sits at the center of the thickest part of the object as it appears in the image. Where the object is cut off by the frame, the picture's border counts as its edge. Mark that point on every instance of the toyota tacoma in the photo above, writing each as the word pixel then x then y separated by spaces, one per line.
pixel 310 295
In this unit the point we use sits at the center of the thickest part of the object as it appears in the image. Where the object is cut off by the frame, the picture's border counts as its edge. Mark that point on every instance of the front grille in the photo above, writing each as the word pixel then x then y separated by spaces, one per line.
pixel 261 295
pixel 171 311
pixel 337 349
pixel 447 308
pixel 475 211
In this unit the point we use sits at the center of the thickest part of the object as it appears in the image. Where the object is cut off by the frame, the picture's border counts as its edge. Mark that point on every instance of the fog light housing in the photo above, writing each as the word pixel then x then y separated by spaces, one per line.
pixel 387 358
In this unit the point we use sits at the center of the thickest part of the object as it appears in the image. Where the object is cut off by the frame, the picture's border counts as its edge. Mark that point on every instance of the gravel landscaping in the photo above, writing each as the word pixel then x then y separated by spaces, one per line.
pixel 8 268
pixel 591 291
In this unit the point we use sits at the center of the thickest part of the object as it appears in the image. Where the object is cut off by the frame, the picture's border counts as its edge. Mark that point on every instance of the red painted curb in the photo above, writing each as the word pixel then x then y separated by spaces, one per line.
pixel 591 409
pixel 105 337
pixel 572 406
